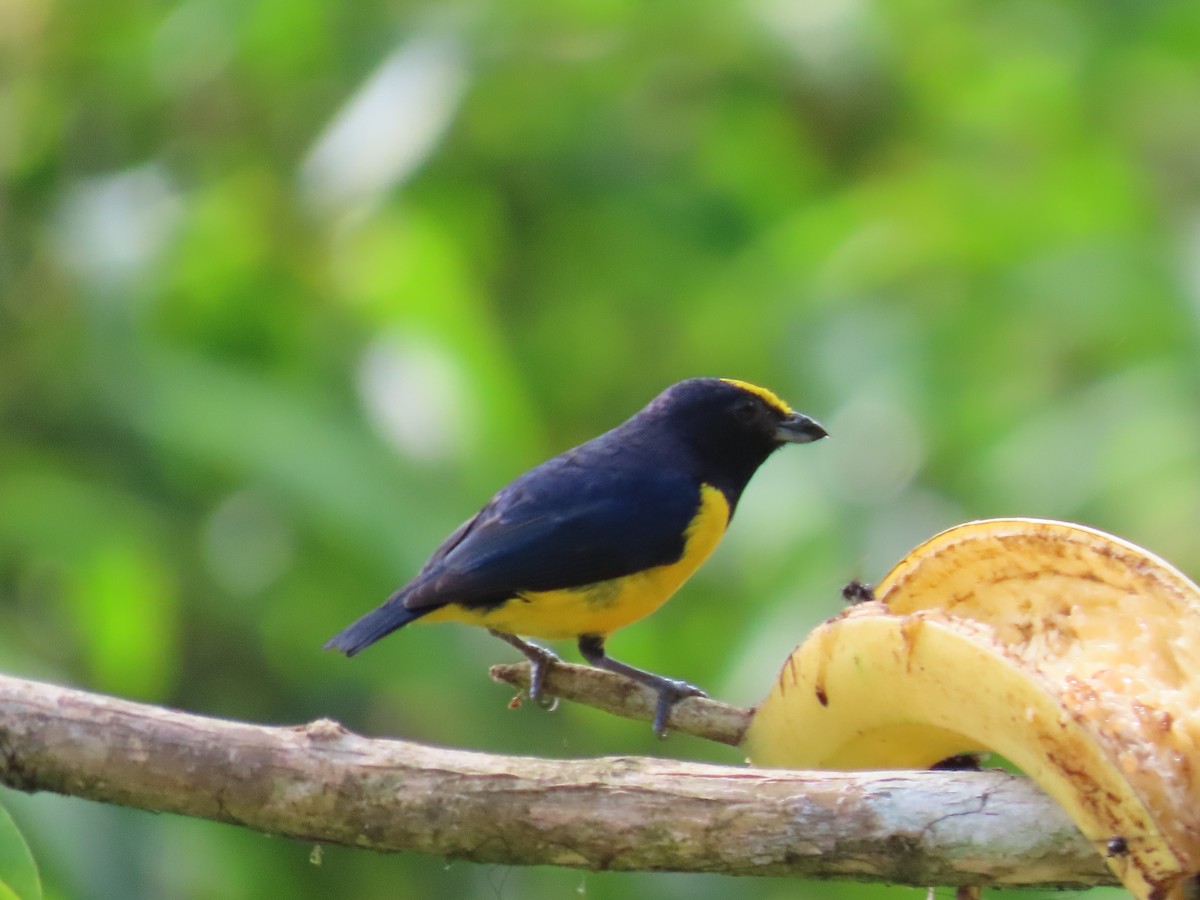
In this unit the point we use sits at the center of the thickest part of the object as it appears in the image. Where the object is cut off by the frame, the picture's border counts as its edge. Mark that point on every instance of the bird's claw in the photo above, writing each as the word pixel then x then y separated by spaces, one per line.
pixel 671 692
pixel 540 662
pixel 537 678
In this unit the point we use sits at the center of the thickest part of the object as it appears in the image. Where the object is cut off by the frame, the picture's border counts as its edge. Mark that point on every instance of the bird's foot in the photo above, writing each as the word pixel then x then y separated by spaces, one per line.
pixel 538 667
pixel 670 692
pixel 541 661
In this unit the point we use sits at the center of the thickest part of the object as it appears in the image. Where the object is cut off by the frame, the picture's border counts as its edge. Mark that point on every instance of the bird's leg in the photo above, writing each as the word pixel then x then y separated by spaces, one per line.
pixel 670 691
pixel 540 661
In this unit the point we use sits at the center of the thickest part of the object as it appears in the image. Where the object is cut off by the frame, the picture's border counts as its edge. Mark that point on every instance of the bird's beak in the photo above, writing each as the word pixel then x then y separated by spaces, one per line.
pixel 799 429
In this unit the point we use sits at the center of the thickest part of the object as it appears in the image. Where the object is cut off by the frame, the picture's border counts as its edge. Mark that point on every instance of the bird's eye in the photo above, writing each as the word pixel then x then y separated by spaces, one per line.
pixel 746 410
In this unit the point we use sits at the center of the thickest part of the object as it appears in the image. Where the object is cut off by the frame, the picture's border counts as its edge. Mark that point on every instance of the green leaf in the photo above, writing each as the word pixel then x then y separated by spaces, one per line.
pixel 19 879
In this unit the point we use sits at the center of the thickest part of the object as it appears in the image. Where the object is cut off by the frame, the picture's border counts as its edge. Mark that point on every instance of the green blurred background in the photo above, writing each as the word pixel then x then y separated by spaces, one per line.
pixel 288 288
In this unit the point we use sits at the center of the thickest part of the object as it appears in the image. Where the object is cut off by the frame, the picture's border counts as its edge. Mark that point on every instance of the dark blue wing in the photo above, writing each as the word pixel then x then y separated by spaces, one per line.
pixel 561 525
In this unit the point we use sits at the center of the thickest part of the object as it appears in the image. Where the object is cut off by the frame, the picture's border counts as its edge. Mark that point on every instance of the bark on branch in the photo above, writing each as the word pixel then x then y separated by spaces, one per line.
pixel 615 694
pixel 318 782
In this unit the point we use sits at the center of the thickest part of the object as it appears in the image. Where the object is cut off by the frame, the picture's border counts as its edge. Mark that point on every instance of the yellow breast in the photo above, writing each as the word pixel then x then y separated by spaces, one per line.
pixel 605 606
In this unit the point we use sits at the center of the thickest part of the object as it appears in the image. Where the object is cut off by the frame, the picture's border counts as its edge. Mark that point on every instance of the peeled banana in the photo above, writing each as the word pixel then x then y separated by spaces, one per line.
pixel 1072 653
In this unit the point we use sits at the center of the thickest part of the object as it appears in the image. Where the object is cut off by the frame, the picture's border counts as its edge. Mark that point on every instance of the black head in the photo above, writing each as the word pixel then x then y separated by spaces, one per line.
pixel 729 426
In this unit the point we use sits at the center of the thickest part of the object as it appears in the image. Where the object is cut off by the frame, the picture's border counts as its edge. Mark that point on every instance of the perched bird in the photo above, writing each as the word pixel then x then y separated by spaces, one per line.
pixel 601 535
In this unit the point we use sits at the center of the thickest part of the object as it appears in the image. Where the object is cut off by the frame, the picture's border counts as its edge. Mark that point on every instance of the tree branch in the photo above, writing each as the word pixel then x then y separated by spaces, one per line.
pixel 321 783
pixel 615 694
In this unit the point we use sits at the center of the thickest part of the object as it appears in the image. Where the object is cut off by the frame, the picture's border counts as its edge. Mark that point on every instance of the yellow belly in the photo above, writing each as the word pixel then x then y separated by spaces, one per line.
pixel 605 606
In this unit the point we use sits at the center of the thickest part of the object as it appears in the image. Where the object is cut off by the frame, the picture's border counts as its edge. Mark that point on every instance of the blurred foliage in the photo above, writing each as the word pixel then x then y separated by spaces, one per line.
pixel 19 879
pixel 288 288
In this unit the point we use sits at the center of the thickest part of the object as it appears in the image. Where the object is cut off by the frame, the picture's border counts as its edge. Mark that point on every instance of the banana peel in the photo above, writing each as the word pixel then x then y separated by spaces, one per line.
pixel 1072 653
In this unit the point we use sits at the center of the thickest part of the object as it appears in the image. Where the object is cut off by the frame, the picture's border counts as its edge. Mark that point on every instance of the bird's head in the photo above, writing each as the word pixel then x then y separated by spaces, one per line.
pixel 731 424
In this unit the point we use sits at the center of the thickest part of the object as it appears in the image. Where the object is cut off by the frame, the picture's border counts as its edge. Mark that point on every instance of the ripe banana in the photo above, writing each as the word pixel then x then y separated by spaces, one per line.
pixel 1072 653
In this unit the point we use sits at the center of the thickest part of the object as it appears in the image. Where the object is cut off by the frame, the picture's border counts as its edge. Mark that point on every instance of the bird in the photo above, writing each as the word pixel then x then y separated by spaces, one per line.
pixel 601 535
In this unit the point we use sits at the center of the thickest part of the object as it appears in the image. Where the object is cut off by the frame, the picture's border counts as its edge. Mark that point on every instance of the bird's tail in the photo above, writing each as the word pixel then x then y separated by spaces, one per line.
pixel 376 624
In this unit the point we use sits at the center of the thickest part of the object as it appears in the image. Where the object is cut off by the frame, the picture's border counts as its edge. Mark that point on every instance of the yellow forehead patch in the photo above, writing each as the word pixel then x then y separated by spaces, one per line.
pixel 770 398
